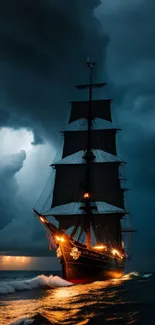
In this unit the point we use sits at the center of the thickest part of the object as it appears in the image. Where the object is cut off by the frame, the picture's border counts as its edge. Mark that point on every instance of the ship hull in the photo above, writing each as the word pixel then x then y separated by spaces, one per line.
pixel 83 265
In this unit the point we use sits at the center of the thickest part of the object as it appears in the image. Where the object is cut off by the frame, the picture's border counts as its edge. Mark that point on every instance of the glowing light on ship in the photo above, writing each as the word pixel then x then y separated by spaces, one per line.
pixel 86 195
pixel 42 219
pixel 115 252
pixel 100 247
pixel 59 238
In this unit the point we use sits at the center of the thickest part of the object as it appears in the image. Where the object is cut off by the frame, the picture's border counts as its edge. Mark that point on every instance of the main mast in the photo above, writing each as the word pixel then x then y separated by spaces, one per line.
pixel 89 157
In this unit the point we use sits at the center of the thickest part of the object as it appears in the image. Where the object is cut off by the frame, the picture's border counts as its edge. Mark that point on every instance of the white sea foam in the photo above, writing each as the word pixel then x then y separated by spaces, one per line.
pixel 130 275
pixel 147 275
pixel 40 281
pixel 133 275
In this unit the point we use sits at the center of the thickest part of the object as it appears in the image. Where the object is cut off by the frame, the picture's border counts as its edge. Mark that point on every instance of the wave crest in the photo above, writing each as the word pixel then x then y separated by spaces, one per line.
pixel 133 275
pixel 41 281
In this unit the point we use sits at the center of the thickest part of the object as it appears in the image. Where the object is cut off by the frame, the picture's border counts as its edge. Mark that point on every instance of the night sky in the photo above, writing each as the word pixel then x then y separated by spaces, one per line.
pixel 43 48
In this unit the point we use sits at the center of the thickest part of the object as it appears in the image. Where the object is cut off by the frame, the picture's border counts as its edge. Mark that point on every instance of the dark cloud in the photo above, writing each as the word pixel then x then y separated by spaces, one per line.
pixel 130 67
pixel 44 45
pixel 43 49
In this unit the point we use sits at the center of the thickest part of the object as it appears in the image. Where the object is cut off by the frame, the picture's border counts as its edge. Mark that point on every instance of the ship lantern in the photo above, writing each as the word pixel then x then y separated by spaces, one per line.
pixel 42 219
pixel 86 195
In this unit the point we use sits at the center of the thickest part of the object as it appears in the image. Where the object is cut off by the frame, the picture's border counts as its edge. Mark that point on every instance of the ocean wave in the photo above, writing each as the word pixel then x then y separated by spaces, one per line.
pixel 130 276
pixel 133 275
pixel 41 281
pixel 23 321
pixel 35 319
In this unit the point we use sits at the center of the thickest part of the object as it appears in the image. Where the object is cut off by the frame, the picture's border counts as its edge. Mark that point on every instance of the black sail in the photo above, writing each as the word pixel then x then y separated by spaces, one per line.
pixel 100 139
pixel 71 179
pixel 67 221
pixel 100 109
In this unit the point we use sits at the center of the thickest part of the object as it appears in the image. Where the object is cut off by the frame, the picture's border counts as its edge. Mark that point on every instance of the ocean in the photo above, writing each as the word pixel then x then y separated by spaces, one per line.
pixel 44 298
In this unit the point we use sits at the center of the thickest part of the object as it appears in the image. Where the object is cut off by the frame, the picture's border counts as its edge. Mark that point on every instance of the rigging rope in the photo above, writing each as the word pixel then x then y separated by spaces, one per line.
pixel 43 189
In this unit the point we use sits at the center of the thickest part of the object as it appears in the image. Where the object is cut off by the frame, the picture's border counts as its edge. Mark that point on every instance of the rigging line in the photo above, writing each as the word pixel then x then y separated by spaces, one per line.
pixel 107 233
pixel 44 188
pixel 93 234
pixel 43 207
pixel 112 239
pixel 56 158
pixel 114 242
pixel 80 234
pixel 106 236
pixel 82 122
pixel 83 238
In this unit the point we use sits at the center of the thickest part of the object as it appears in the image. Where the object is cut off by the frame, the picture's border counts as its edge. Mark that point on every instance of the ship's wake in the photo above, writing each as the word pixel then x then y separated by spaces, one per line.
pixel 51 281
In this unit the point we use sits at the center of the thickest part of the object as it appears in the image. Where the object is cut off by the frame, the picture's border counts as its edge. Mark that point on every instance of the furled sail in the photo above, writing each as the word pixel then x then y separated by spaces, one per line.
pixel 100 109
pixel 100 139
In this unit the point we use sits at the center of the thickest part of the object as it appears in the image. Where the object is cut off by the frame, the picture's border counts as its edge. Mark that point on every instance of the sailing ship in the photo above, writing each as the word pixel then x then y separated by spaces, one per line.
pixel 88 201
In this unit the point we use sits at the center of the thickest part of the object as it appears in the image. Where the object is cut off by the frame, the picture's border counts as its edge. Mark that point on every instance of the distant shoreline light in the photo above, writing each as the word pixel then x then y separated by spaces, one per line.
pixel 28 263
pixel 15 259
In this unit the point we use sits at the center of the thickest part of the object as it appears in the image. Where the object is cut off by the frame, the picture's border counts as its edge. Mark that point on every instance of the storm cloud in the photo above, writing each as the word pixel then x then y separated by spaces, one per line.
pixel 44 45
pixel 130 67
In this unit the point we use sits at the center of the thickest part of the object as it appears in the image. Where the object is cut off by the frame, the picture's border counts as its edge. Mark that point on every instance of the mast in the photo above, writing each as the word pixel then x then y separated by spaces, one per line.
pixel 89 157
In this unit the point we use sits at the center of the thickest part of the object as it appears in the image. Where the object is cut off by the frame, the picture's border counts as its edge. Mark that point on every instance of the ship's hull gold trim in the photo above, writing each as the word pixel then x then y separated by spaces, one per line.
pixel 83 265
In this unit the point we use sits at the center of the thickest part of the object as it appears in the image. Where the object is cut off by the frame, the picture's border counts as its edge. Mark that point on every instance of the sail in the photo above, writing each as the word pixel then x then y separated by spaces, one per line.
pixel 78 158
pixel 100 109
pixel 74 208
pixel 71 180
pixel 100 139
pixel 67 221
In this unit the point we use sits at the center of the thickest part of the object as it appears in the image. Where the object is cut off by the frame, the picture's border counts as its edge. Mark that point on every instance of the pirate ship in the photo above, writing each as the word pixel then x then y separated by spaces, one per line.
pixel 88 199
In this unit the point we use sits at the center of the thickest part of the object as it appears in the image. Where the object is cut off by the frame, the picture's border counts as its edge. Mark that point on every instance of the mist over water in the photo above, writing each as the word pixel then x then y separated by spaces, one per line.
pixel 42 299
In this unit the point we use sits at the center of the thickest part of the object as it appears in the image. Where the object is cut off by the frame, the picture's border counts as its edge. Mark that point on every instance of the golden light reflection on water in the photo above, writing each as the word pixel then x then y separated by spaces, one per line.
pixel 72 305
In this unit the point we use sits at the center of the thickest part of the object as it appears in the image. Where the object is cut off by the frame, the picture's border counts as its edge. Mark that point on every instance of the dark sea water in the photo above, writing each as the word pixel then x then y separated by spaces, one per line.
pixel 43 299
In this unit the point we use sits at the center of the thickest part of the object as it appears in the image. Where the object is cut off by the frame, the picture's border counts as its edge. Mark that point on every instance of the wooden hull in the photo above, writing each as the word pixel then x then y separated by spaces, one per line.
pixel 82 265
